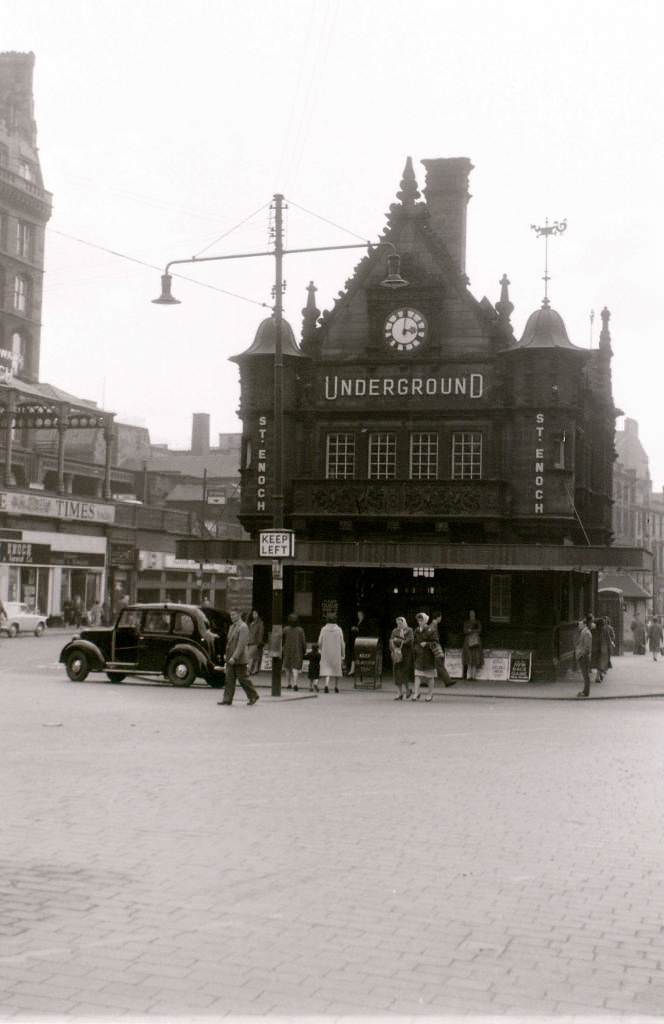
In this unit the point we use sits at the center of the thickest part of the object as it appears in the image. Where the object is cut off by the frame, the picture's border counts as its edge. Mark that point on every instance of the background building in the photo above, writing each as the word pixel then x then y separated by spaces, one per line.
pixel 638 511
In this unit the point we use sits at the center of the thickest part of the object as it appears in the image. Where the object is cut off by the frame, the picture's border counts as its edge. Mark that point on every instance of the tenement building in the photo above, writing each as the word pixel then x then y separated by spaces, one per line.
pixel 78 521
pixel 433 459
pixel 638 513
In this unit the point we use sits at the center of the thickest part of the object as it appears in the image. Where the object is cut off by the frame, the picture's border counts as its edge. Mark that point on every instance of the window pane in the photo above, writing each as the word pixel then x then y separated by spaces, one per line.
pixel 340 457
pixel 424 456
pixel 20 294
pixel 24 238
pixel 501 598
pixel 382 456
pixel 467 455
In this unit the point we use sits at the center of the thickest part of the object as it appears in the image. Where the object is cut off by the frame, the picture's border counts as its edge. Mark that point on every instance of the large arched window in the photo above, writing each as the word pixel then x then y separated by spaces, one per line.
pixel 19 352
pixel 22 294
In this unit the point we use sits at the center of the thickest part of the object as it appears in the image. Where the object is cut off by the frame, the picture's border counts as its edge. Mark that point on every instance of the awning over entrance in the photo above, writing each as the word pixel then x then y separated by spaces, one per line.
pixel 397 554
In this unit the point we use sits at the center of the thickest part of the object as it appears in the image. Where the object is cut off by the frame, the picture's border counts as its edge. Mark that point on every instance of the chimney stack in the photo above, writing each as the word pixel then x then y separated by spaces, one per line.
pixel 447 195
pixel 200 433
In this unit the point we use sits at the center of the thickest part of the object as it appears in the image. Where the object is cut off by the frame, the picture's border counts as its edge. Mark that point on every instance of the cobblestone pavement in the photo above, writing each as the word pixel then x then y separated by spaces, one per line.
pixel 342 857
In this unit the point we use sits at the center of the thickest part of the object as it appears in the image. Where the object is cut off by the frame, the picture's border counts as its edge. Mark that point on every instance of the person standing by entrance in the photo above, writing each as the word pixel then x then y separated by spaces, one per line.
pixel 332 650
pixel 255 645
pixel 439 653
pixel 655 637
pixel 639 635
pixel 472 655
pixel 425 641
pixel 236 660
pixel 401 653
pixel 583 646
pixel 295 647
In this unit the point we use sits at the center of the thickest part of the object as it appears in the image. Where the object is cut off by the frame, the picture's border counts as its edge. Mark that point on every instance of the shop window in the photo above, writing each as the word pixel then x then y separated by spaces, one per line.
pixel 382 456
pixel 424 570
pixel 501 598
pixel 467 455
pixel 303 597
pixel 340 457
pixel 4 220
pixel 21 293
pixel 24 239
pixel 424 456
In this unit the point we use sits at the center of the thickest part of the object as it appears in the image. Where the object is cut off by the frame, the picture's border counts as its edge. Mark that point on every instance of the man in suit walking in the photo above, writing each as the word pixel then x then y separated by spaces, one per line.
pixel 236 660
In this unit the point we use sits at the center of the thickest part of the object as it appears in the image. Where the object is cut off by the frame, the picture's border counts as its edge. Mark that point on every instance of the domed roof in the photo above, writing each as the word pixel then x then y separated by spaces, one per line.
pixel 264 343
pixel 545 329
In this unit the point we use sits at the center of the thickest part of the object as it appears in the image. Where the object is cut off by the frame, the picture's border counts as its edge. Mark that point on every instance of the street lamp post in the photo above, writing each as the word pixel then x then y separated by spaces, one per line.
pixel 393 280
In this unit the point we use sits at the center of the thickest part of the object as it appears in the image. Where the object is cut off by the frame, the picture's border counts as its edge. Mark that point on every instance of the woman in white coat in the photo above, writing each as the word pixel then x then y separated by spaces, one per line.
pixel 332 651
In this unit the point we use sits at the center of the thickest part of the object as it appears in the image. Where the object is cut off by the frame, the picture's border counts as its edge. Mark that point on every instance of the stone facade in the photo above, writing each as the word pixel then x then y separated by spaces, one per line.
pixel 638 510
pixel 25 208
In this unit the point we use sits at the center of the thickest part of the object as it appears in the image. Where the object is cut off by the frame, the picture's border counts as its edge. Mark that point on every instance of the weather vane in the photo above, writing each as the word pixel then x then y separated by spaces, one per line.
pixel 556 228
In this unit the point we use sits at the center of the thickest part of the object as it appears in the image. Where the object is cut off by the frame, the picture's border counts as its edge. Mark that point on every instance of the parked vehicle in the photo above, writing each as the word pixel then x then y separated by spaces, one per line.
pixel 170 640
pixel 21 619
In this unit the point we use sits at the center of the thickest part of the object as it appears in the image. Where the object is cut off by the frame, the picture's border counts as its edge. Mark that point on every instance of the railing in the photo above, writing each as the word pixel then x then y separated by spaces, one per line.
pixel 17 181
pixel 413 498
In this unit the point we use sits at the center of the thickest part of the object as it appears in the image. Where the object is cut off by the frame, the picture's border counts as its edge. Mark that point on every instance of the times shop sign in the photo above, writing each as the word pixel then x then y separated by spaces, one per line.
pixel 460 385
pixel 21 503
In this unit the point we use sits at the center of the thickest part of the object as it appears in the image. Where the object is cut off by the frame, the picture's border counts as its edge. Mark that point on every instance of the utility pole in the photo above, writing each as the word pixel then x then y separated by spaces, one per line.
pixel 203 532
pixel 278 456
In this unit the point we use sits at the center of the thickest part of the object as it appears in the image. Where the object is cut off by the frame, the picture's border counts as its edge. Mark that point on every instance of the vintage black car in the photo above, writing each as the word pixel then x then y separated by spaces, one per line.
pixel 171 640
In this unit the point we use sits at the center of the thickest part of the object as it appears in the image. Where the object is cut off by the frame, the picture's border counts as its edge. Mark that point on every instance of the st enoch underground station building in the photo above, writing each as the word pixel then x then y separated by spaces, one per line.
pixel 433 460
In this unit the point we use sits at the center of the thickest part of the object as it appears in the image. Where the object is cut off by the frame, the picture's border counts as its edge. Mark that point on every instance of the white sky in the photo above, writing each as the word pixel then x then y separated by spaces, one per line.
pixel 163 123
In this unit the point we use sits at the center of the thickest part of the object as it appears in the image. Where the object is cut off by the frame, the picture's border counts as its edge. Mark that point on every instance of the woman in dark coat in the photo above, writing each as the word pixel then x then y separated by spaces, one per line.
pixel 472 655
pixel 401 653
pixel 295 647
pixel 425 643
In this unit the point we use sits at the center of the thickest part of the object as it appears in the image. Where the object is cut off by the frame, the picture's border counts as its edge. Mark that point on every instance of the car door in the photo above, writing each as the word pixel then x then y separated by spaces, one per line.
pixel 155 639
pixel 125 637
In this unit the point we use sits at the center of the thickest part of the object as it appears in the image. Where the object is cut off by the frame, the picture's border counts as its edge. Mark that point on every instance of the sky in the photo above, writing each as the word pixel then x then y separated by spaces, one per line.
pixel 166 127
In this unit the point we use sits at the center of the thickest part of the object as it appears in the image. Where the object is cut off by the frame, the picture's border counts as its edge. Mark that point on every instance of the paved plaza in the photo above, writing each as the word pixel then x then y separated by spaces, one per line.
pixel 340 857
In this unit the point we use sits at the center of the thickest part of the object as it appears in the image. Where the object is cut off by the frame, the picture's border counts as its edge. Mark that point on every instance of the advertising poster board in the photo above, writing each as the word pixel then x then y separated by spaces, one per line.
pixel 521 663
pixel 453 662
pixel 496 666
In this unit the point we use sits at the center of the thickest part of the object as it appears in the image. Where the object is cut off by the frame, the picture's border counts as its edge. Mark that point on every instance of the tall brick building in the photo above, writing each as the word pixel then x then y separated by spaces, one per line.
pixel 25 208
pixel 433 458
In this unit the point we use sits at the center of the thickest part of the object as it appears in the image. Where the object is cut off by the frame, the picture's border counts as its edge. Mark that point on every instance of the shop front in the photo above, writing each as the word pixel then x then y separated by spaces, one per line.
pixel 162 576
pixel 52 571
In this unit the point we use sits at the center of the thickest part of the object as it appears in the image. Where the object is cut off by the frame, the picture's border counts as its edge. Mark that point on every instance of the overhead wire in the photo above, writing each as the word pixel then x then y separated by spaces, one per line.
pixel 318 64
pixel 294 104
pixel 326 220
pixel 231 230
pixel 151 266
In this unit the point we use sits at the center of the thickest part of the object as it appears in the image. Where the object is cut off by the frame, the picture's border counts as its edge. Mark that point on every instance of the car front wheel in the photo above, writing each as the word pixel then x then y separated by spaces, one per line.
pixel 180 670
pixel 13 630
pixel 39 629
pixel 77 666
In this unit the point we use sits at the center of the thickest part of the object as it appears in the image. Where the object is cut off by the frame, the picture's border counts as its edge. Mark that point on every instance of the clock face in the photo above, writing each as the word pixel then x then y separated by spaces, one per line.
pixel 405 330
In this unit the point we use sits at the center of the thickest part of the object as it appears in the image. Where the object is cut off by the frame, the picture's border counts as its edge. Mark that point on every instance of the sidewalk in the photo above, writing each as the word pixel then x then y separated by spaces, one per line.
pixel 631 677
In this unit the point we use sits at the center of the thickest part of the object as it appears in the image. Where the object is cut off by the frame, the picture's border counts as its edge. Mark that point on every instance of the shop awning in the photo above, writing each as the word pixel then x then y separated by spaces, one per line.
pixel 396 554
